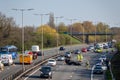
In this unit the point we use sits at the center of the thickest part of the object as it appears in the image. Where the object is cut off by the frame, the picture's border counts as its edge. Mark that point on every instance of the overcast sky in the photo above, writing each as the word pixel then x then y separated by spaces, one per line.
pixel 107 11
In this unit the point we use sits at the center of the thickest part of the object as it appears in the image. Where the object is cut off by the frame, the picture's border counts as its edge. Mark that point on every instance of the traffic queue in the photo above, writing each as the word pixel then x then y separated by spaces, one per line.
pixel 9 53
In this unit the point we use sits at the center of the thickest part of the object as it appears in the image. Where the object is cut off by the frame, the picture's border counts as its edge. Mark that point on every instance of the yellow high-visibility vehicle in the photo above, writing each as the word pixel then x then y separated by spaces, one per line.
pixel 26 58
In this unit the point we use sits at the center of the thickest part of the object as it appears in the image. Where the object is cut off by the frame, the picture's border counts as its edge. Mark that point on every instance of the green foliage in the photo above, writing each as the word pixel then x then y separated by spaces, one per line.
pixel 117 45
pixel 108 75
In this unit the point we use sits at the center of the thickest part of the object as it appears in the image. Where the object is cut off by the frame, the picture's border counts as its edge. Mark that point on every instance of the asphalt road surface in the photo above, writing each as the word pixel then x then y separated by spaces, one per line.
pixel 63 71
pixel 9 70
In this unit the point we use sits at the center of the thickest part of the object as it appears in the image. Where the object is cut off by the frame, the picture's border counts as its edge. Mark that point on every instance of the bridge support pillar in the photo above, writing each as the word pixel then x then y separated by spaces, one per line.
pixel 87 39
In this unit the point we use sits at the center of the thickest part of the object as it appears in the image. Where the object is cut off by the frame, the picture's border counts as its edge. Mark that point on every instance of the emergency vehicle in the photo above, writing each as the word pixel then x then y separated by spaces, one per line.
pixel 25 58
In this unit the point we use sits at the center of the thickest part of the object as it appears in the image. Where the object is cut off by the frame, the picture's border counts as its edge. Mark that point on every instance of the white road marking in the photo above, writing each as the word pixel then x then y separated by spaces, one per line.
pixel 92 72
pixel 31 74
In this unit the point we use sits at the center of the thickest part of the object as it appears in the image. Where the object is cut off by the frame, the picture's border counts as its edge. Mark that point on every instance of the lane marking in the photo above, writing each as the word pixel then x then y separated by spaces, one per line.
pixel 92 72
pixel 31 74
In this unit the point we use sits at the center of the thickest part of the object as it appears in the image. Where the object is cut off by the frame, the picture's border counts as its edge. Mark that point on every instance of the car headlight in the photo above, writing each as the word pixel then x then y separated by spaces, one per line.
pixel 41 72
pixel 49 73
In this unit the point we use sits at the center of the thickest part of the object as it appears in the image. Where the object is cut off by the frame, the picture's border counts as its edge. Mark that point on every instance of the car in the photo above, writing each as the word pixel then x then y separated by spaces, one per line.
pixel 60 58
pixel 84 49
pixel 105 47
pixel 104 67
pixel 46 71
pixel 98 69
pixel 77 51
pixel 67 54
pixel 90 48
pixel 103 57
pixel 98 50
pixel 61 48
pixel 99 61
pixel 51 62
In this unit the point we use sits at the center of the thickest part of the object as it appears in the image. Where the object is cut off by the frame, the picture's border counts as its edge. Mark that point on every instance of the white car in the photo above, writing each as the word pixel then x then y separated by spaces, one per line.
pixel 103 57
pixel 61 58
pixel 51 62
pixel 104 67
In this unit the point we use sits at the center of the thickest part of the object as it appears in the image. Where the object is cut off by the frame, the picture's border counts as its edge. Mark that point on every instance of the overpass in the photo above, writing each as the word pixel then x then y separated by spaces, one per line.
pixel 90 34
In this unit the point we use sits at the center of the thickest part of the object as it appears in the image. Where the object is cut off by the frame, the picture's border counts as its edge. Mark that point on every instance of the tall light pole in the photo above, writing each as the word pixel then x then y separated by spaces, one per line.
pixel 106 33
pixel 57 30
pixel 22 10
pixel 42 33
pixel 83 33
pixel 71 21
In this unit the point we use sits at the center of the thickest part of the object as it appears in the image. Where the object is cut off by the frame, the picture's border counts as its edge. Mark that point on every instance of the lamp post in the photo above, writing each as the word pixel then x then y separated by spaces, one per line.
pixel 57 30
pixel 71 21
pixel 83 33
pixel 42 32
pixel 106 33
pixel 22 10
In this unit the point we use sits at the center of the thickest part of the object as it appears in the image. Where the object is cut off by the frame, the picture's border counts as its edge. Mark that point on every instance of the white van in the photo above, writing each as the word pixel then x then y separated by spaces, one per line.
pixel 6 59
pixel 35 49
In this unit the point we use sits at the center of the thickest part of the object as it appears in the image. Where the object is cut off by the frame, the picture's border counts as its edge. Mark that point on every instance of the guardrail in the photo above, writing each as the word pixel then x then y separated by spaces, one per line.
pixel 18 75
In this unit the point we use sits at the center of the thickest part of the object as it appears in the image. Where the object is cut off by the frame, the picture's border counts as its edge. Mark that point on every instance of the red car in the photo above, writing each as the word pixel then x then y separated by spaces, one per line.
pixel 84 49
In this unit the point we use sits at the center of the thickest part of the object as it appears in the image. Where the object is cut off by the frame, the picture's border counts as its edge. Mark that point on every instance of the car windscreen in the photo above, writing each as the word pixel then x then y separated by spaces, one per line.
pixel 45 69
pixel 51 60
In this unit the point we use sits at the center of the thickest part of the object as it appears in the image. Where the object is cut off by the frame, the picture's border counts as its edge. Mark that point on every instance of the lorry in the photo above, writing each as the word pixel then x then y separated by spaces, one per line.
pixel 25 58
pixel 9 49
pixel 6 59
pixel 36 50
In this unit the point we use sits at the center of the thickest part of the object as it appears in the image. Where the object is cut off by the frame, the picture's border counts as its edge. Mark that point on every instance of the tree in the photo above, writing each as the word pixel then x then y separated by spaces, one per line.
pixel 62 28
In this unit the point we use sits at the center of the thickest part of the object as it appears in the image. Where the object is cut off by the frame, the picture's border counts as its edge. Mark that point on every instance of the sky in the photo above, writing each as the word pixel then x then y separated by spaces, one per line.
pixel 106 11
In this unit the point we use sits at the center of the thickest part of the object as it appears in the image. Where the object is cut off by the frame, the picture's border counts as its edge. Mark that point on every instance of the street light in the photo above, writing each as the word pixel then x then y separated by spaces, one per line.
pixel 106 33
pixel 71 21
pixel 57 30
pixel 22 10
pixel 83 33
pixel 42 31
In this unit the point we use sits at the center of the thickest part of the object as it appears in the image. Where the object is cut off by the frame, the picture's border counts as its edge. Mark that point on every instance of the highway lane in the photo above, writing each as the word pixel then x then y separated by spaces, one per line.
pixel 14 68
pixel 68 72
pixel 71 72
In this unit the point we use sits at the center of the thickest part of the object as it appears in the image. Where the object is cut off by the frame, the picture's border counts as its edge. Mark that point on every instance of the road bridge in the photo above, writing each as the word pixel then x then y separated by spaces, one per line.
pixel 90 34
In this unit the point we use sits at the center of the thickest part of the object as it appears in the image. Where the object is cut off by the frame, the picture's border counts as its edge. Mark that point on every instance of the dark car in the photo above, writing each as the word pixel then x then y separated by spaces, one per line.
pixel 98 69
pixel 61 48
pixel 77 51
pixel 105 47
pixel 68 55
pixel 46 72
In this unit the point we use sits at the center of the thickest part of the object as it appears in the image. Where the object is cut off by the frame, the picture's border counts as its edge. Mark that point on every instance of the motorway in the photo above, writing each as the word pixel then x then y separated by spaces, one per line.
pixel 61 71
pixel 9 70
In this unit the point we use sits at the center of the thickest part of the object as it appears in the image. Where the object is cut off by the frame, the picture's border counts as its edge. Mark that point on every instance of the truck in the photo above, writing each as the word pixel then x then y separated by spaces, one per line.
pixel 36 50
pixel 25 58
pixel 9 49
pixel 6 59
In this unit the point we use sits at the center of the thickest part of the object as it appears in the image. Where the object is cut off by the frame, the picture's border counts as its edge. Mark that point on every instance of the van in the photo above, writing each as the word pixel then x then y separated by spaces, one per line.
pixel 6 59
pixel 25 58
pixel 36 50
